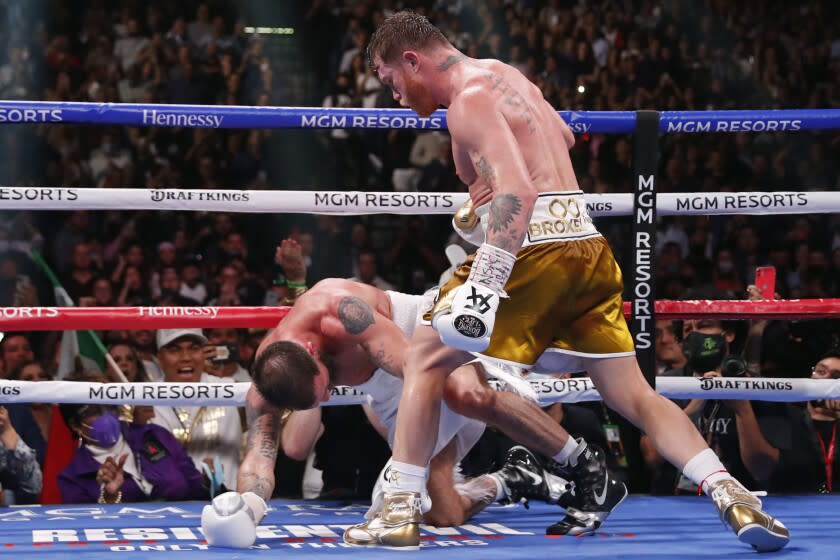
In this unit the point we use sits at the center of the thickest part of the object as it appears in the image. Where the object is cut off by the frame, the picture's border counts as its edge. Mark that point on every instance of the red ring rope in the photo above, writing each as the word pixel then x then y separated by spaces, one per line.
pixel 134 318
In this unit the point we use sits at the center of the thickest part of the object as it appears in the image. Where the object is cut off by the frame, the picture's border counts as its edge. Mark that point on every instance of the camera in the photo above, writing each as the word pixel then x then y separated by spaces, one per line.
pixel 733 366
pixel 226 353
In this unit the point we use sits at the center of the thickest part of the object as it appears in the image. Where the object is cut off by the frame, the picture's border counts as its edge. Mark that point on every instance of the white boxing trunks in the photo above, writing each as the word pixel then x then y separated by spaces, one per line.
pixel 385 389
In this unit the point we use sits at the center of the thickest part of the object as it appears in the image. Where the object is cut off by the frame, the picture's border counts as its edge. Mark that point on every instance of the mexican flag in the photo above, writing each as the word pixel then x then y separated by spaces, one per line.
pixel 61 446
pixel 84 344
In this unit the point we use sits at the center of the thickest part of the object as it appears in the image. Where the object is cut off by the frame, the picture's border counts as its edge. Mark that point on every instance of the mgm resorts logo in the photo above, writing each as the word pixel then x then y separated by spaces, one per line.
pixel 710 383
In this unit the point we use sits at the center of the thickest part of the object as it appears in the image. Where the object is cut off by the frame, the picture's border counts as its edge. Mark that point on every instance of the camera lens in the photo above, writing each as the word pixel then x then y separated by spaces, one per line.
pixel 733 366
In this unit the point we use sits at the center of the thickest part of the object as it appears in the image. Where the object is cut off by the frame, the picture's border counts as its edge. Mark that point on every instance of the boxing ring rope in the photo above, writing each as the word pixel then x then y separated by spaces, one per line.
pixel 135 318
pixel 224 116
pixel 549 390
pixel 346 203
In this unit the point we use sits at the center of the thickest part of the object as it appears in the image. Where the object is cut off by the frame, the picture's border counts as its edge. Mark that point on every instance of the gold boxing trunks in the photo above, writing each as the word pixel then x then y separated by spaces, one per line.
pixel 564 292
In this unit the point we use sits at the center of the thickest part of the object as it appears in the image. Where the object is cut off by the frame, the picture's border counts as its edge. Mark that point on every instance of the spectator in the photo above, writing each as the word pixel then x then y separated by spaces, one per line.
pixel 439 174
pixel 414 257
pixel 170 289
pixel 191 285
pixel 706 363
pixel 211 435
pixel 74 231
pixel 128 47
pixel 725 275
pixel 236 287
pixel 134 289
pixel 143 341
pixel 669 353
pixel 426 148
pixel 129 362
pixel 79 282
pixel 15 351
pixel 32 421
pixel 13 286
pixel 367 271
pixel 133 86
pixel 103 294
pixel 121 462
pixel 248 349
pixel 200 30
pixel 19 470
pixel 222 353
pixel 289 281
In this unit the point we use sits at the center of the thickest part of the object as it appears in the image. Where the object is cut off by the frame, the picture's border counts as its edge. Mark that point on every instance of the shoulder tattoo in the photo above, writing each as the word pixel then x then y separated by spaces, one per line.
pixel 354 314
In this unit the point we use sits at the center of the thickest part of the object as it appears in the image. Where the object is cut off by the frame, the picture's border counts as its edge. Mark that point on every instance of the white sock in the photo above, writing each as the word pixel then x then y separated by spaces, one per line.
pixel 705 469
pixel 567 451
pixel 404 477
pixel 501 494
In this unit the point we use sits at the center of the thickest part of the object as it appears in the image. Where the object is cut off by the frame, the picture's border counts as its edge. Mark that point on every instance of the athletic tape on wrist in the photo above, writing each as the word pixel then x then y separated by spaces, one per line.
pixel 491 268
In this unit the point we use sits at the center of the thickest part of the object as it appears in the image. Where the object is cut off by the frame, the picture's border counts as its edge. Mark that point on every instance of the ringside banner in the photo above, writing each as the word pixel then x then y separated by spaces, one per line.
pixel 218 116
pixel 548 388
pixel 356 202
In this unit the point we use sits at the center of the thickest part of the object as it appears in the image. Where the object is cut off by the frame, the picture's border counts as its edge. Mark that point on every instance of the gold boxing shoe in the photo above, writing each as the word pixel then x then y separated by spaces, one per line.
pixel 398 526
pixel 741 510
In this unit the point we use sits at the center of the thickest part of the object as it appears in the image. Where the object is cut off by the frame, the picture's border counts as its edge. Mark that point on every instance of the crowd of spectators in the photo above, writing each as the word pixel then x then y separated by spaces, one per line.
pixel 599 55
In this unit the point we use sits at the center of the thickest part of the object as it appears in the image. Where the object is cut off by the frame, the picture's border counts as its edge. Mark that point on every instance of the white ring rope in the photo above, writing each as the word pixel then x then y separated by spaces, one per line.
pixel 355 202
pixel 549 389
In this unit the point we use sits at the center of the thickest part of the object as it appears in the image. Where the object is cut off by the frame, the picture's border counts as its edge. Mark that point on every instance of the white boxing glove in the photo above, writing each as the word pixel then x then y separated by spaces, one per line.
pixel 232 518
pixel 468 323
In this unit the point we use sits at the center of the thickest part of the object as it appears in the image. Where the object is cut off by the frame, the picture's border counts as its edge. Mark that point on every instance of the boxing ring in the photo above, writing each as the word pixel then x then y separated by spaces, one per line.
pixel 643 527
pixel 665 527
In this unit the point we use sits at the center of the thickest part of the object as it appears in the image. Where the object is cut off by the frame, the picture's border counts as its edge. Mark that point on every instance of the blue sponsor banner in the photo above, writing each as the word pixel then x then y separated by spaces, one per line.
pixel 224 116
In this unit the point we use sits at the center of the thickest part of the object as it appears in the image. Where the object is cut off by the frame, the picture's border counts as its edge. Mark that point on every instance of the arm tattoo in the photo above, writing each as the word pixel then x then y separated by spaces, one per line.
pixel 354 314
pixel 257 473
pixel 264 436
pixel 384 360
pixel 503 210
pixel 450 61
pixel 254 482
pixel 485 171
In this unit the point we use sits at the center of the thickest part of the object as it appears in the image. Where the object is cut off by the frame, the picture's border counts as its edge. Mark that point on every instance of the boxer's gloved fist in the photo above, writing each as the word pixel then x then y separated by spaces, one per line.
pixel 466 223
pixel 467 323
pixel 232 518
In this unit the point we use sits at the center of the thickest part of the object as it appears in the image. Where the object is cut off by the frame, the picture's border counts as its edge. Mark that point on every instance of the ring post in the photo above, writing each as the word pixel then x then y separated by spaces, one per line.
pixel 642 324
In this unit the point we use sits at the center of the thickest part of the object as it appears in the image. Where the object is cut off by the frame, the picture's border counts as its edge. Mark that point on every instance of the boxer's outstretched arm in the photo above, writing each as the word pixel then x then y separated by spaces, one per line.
pixel 301 432
pixel 352 319
pixel 478 125
pixel 256 474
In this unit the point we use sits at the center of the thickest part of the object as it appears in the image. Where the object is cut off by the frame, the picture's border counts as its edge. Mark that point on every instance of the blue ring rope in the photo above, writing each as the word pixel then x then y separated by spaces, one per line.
pixel 226 116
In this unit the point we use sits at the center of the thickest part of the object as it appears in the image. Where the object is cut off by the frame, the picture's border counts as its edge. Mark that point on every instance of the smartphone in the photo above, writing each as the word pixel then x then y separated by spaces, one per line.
pixel 765 281
pixel 226 353
pixel 222 354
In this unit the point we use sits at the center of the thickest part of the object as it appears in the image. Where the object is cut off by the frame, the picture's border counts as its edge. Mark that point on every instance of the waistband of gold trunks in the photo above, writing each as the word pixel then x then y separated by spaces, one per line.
pixel 557 216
